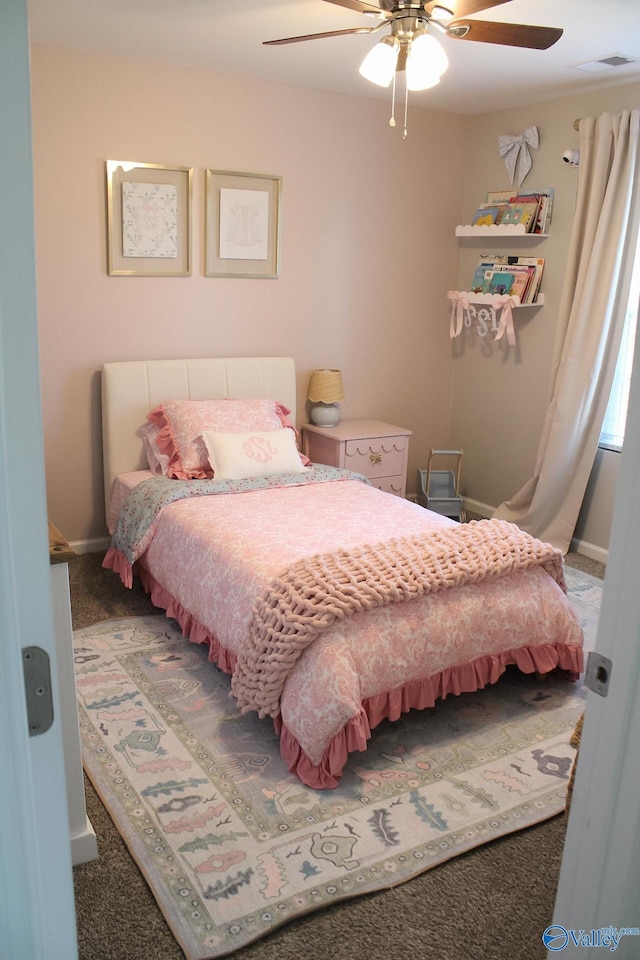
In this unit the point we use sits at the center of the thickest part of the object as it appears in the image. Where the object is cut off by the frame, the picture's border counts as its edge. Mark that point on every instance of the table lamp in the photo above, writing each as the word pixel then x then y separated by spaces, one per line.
pixel 325 392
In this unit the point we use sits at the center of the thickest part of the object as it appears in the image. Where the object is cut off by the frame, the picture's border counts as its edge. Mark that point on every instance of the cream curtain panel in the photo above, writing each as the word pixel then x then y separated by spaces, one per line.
pixel 591 313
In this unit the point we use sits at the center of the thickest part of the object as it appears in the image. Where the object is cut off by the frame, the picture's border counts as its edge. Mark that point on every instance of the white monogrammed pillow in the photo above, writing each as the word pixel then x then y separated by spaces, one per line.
pixel 238 456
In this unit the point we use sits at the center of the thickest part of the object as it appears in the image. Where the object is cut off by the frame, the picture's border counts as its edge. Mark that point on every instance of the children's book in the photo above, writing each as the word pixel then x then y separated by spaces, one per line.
pixel 485 216
pixel 499 196
pixel 538 222
pixel 502 273
pixel 537 266
pixel 521 278
pixel 501 282
pixel 523 213
pixel 482 277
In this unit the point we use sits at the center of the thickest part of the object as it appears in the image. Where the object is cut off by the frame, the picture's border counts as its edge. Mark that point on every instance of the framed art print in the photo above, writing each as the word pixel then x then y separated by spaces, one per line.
pixel 148 219
pixel 242 232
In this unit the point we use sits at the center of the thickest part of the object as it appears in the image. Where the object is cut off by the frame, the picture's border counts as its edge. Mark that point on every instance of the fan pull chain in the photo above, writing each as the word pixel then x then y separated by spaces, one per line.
pixel 392 119
pixel 406 108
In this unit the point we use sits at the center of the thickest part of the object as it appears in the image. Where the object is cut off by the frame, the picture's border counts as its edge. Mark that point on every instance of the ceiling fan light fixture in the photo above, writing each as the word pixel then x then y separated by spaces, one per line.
pixel 379 65
pixel 421 79
pixel 426 62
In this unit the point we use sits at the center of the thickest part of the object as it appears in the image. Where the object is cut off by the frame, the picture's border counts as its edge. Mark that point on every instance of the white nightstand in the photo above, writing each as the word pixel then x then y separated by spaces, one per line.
pixel 371 447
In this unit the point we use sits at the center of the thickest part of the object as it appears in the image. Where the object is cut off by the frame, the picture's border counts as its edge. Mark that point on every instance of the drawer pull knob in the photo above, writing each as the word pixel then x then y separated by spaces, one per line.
pixel 375 458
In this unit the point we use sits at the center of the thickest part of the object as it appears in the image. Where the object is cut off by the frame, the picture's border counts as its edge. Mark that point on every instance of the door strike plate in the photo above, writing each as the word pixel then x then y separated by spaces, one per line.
pixel 598 673
pixel 37 685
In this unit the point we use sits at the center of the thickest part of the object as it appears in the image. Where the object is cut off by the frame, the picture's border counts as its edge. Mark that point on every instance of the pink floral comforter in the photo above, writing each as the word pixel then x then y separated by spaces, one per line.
pixel 210 557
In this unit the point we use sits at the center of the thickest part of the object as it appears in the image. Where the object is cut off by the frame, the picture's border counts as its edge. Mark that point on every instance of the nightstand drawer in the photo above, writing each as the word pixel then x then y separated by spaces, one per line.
pixel 390 485
pixel 375 458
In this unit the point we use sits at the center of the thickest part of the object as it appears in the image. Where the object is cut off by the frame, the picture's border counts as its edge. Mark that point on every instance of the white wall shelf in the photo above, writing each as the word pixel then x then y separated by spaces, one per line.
pixel 487 299
pixel 496 230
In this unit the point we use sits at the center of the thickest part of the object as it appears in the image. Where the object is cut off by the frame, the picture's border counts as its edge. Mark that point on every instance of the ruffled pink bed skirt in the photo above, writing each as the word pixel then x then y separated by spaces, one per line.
pixel 419 695
pixel 390 705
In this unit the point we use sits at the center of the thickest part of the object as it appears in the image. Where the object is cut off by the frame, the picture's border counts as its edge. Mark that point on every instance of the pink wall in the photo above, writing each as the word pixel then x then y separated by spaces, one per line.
pixel 368 249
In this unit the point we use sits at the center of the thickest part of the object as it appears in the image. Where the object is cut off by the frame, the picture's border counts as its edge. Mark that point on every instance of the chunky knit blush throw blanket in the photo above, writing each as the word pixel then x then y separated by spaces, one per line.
pixel 317 590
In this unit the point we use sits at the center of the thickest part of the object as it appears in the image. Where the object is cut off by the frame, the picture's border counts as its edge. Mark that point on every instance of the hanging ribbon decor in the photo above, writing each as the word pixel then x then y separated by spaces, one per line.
pixel 505 304
pixel 515 151
pixel 459 303
pixel 495 315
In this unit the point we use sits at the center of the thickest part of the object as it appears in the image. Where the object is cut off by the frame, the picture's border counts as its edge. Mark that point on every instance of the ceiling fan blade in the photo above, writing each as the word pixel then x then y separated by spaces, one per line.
pixel 464 8
pixel 318 36
pixel 507 34
pixel 360 7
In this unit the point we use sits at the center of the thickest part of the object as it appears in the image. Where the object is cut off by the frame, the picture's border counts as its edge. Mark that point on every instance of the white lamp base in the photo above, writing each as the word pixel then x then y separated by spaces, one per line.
pixel 325 414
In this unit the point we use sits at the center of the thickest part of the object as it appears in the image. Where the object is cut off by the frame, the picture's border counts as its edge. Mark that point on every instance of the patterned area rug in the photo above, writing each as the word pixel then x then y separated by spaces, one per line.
pixel 233 846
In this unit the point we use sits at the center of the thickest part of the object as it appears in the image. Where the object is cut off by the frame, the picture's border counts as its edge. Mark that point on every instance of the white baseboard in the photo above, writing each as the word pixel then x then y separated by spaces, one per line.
pixel 583 547
pixel 99 545
pixel 590 550
pixel 475 506
pixel 84 846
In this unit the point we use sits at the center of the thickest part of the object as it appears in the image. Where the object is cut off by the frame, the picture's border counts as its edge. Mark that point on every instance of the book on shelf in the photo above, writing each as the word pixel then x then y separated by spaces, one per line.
pixel 499 196
pixel 514 276
pixel 482 276
pixel 522 212
pixel 501 282
pixel 544 215
pixel 521 280
pixel 544 200
pixel 503 207
pixel 485 215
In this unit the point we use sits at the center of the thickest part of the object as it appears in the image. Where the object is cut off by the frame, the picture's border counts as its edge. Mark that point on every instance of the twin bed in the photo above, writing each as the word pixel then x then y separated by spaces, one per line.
pixel 331 604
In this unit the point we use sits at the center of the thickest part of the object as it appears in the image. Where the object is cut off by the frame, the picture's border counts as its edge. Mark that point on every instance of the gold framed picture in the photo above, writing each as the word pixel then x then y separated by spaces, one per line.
pixel 148 219
pixel 242 224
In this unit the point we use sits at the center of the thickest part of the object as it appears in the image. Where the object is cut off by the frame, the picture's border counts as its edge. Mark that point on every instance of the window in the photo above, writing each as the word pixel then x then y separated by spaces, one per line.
pixel 612 433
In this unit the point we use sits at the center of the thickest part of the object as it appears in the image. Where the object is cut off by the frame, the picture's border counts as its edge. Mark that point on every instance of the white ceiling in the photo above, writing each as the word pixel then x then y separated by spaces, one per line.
pixel 226 36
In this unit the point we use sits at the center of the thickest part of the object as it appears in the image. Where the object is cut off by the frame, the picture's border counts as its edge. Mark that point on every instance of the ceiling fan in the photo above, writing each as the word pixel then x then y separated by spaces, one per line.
pixel 412 46
pixel 447 19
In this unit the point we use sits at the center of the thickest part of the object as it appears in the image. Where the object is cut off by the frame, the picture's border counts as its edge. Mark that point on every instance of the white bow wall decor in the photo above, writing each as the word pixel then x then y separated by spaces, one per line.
pixel 515 151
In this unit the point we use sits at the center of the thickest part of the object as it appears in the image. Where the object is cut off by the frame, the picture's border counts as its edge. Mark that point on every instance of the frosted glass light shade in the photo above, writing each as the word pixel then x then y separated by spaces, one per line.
pixel 419 78
pixel 426 62
pixel 380 63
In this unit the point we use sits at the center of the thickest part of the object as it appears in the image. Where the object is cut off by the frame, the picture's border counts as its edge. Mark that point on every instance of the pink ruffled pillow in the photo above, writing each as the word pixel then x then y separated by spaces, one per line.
pixel 157 460
pixel 181 424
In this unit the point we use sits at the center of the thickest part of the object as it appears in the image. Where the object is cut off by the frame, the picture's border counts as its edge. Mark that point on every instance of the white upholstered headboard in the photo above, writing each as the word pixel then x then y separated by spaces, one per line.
pixel 133 387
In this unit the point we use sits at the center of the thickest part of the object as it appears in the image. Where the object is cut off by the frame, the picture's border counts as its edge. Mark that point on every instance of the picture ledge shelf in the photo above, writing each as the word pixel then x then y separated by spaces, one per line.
pixel 496 230
pixel 488 298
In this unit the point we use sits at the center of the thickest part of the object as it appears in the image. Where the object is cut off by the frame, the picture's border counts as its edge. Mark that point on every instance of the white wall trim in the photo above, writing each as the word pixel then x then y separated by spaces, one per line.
pixel 583 547
pixel 590 550
pixel 475 506
pixel 98 545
